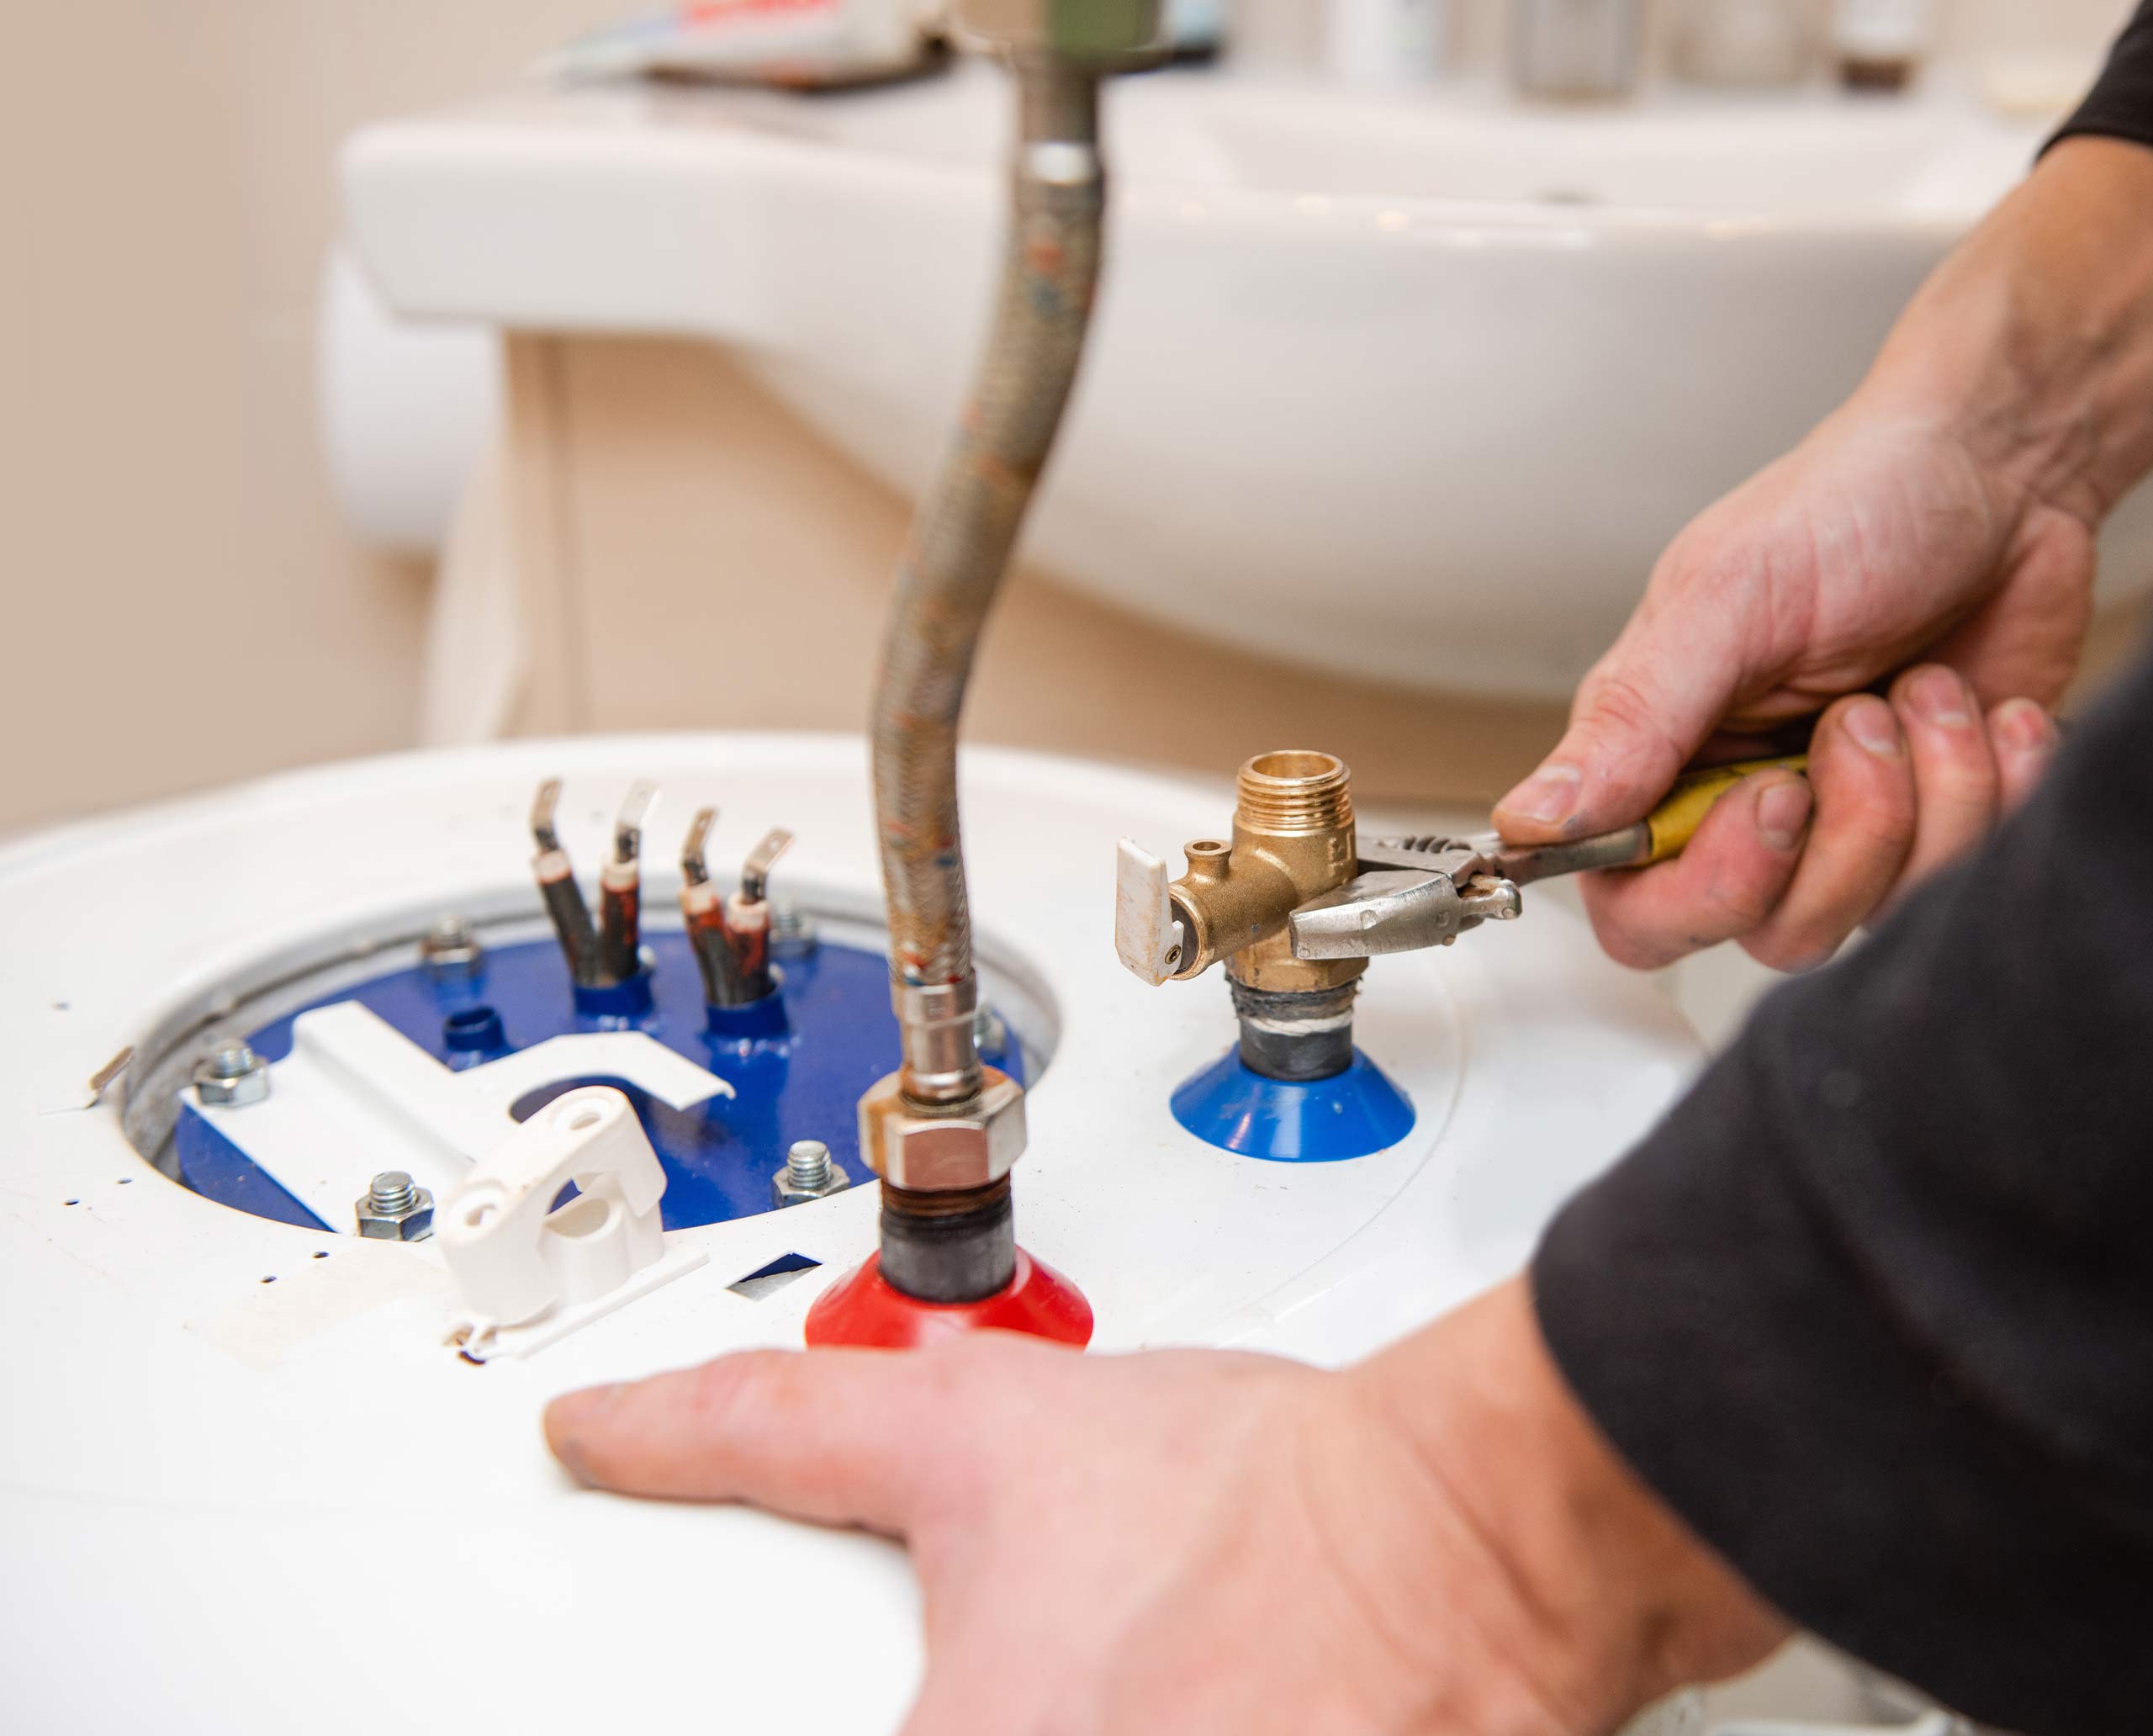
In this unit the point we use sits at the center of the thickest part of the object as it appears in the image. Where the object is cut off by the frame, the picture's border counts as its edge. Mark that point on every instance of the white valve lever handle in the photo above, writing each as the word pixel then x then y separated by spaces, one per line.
pixel 1147 937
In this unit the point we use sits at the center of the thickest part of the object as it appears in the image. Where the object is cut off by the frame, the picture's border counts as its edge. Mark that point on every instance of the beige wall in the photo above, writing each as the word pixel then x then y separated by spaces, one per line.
pixel 689 551
pixel 182 605
pixel 1289 29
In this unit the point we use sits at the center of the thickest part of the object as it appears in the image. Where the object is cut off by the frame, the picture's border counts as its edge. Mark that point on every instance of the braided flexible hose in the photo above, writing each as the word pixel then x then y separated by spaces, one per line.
pixel 959 549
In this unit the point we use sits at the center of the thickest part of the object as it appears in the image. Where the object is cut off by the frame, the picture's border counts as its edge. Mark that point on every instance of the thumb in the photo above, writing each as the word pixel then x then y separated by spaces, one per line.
pixel 1645 709
pixel 840 1437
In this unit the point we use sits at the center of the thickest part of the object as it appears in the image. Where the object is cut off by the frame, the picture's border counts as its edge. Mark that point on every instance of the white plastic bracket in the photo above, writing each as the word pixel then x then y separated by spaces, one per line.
pixel 356 1096
pixel 528 1274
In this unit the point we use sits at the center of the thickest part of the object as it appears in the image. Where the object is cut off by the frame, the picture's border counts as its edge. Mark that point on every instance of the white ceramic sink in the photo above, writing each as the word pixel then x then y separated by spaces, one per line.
pixel 1416 387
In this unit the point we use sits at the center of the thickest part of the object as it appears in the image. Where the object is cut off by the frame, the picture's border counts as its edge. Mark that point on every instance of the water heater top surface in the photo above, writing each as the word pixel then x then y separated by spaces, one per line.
pixel 239 1452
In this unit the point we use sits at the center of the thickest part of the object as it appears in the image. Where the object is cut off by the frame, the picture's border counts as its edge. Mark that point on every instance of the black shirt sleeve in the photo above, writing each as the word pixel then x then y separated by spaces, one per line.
pixel 2121 105
pixel 1873 1308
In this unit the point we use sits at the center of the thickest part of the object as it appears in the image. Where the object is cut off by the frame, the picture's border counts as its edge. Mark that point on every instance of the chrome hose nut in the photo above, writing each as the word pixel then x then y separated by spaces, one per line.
pixel 934 1151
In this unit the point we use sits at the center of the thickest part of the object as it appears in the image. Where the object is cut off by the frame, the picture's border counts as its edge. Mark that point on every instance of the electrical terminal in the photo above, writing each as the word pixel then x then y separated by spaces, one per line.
pixel 620 889
pixel 557 886
pixel 730 933
pixel 748 914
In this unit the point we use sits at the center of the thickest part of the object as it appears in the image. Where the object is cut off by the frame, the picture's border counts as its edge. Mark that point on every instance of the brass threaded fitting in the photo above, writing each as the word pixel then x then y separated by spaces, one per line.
pixel 1294 791
pixel 1293 839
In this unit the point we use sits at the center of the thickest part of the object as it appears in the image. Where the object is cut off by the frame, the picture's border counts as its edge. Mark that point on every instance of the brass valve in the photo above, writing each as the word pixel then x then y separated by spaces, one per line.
pixel 1293 840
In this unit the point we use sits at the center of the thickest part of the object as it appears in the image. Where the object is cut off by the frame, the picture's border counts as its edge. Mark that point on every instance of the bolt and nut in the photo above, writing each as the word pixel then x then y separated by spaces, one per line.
pixel 451 949
pixel 230 1076
pixel 808 1172
pixel 990 1032
pixel 395 1208
pixel 792 931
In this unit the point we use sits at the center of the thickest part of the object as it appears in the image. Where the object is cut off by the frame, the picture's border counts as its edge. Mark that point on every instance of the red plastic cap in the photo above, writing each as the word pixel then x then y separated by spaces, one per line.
pixel 865 1311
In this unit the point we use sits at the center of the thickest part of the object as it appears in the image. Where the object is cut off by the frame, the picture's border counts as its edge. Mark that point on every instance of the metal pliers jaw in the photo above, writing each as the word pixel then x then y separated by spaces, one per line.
pixel 1411 893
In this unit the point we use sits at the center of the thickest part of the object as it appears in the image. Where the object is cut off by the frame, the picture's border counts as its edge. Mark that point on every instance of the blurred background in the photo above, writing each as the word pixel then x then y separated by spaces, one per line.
pixel 350 403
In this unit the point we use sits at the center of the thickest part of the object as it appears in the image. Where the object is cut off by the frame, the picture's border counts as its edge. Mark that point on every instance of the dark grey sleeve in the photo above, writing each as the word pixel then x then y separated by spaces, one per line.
pixel 2121 105
pixel 1873 1308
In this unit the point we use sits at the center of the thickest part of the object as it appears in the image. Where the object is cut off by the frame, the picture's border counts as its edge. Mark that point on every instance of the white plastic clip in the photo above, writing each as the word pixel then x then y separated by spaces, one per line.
pixel 1147 937
pixel 528 1274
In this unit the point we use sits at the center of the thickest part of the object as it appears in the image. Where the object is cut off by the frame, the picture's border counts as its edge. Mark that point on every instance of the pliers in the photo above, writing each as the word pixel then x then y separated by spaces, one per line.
pixel 1416 892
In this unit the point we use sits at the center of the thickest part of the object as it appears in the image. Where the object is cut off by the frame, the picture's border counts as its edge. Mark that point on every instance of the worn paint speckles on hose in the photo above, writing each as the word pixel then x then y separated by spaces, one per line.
pixel 968 525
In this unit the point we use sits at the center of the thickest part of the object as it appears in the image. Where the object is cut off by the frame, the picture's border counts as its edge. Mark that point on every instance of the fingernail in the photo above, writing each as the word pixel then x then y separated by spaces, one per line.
pixel 1547 796
pixel 1782 812
pixel 1870 722
pixel 1940 696
pixel 2023 725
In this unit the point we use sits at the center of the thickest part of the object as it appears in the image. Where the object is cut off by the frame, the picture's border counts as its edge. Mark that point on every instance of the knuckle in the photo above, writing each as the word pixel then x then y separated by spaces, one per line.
pixel 1874 824
pixel 1616 698
pixel 1739 902
pixel 1793 948
pixel 1632 946
pixel 738 1386
pixel 1880 834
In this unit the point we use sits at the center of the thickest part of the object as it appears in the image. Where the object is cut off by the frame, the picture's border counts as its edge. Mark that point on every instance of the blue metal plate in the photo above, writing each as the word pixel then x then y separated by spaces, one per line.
pixel 799 1065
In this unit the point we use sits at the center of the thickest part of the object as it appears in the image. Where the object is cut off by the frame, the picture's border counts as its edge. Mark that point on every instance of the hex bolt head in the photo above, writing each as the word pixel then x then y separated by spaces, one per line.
pixel 230 1076
pixel 808 1172
pixel 395 1208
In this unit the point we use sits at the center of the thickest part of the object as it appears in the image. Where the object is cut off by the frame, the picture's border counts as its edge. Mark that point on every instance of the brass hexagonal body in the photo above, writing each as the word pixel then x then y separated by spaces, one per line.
pixel 1293 840
pixel 933 1151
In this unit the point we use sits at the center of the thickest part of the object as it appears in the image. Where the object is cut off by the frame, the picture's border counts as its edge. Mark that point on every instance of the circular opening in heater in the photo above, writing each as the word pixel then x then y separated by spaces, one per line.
pixel 718 1153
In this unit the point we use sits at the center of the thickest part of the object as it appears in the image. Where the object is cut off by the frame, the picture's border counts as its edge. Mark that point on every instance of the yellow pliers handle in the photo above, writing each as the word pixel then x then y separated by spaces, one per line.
pixel 1675 821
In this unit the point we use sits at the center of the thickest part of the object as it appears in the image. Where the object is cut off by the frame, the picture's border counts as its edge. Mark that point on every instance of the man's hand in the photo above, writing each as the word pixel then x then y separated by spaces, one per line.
pixel 1919 572
pixel 1877 545
pixel 1436 1542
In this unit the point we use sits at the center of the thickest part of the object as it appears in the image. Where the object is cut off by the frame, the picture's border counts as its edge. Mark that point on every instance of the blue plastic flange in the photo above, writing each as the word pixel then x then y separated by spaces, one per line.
pixel 1349 1114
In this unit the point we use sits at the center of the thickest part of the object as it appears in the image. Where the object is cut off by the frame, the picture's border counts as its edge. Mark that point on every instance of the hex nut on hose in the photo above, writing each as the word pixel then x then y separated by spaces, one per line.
pixel 936 1151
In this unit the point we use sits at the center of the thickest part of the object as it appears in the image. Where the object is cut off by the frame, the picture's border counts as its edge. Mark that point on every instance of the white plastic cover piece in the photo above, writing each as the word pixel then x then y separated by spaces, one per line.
pixel 356 1096
pixel 527 1272
pixel 1147 937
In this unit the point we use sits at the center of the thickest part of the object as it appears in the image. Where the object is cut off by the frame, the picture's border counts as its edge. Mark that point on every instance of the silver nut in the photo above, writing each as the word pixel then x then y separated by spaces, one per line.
pixel 909 1146
pixel 808 1172
pixel 230 1076
pixel 1093 30
pixel 792 931
pixel 449 949
pixel 395 1215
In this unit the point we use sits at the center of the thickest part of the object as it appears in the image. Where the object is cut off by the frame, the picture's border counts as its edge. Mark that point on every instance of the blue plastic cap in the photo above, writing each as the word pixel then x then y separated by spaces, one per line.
pixel 1349 1114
